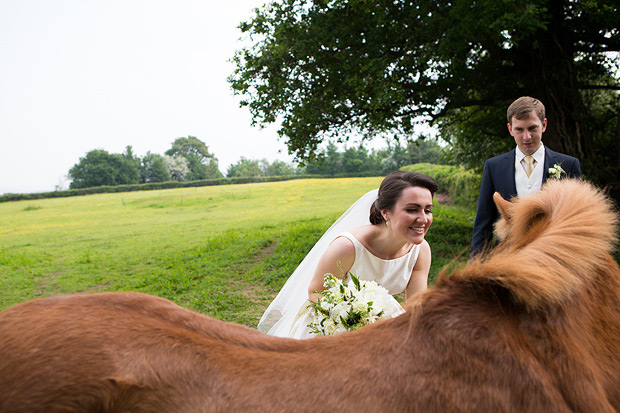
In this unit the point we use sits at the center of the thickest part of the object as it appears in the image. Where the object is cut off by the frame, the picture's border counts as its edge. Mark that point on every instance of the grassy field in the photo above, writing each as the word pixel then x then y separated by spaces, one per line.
pixel 223 251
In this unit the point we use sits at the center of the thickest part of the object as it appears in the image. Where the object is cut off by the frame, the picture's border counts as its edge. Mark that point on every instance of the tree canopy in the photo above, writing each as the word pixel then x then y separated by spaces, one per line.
pixel 326 69
pixel 244 168
pixel 358 161
pixel 202 163
pixel 188 159
pixel 248 168
pixel 153 168
pixel 99 168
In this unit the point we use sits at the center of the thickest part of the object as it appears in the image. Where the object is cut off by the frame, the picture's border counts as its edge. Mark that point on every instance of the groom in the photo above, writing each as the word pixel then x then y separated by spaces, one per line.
pixel 520 172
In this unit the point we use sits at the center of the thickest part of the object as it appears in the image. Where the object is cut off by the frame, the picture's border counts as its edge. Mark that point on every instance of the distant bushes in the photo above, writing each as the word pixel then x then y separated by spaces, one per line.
pixel 148 187
pixel 460 184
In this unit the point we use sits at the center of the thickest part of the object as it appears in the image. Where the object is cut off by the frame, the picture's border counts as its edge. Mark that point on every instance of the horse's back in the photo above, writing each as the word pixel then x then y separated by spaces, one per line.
pixel 91 352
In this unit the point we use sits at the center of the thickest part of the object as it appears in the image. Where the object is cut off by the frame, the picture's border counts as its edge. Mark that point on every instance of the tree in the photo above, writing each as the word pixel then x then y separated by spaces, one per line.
pixel 177 167
pixel 153 168
pixel 94 169
pixel 248 168
pixel 327 162
pixel 354 160
pixel 202 163
pixel 327 68
pixel 128 167
pixel 99 168
pixel 197 170
pixel 424 149
pixel 279 168
pixel 394 157
pixel 244 168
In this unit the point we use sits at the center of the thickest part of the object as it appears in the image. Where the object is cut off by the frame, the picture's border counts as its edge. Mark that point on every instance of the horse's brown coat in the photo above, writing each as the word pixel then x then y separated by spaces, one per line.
pixel 534 326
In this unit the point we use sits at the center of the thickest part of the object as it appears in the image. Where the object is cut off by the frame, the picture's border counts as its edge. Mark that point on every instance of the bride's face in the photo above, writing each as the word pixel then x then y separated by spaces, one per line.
pixel 412 214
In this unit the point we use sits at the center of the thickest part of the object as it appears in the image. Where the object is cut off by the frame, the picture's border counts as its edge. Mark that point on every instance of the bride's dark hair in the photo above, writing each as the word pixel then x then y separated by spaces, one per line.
pixel 391 189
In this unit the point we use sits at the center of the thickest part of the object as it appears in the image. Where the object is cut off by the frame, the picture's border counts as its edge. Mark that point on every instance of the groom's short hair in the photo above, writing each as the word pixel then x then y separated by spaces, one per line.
pixel 521 108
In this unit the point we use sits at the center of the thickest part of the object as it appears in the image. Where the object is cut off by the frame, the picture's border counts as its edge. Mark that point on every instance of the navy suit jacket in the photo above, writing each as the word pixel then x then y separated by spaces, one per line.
pixel 498 176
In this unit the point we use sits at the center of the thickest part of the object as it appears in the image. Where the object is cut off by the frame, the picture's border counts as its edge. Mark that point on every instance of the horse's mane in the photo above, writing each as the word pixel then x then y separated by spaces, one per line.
pixel 552 244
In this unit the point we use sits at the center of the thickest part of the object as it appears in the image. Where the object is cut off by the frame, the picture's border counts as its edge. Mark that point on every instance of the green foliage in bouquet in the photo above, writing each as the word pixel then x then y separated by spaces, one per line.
pixel 350 306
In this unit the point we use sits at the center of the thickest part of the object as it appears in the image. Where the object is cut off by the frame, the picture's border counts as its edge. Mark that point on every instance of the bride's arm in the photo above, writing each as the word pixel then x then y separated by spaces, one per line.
pixel 419 275
pixel 337 260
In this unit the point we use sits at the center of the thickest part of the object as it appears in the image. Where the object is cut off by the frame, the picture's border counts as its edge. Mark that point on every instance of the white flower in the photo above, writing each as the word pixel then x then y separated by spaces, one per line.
pixel 359 306
pixel 340 329
pixel 329 327
pixel 556 171
pixel 341 310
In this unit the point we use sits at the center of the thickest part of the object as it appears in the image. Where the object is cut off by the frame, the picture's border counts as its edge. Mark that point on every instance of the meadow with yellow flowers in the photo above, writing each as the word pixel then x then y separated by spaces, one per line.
pixel 224 251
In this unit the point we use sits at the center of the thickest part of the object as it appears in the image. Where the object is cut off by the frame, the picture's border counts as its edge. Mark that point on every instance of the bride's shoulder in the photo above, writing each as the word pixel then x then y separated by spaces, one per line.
pixel 341 247
pixel 364 232
pixel 345 242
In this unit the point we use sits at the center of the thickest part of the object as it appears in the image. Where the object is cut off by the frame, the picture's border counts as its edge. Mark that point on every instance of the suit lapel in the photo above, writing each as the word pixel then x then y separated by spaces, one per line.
pixel 508 164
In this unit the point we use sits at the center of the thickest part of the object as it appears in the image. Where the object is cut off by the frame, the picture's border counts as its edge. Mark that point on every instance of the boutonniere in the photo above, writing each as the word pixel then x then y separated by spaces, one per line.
pixel 556 171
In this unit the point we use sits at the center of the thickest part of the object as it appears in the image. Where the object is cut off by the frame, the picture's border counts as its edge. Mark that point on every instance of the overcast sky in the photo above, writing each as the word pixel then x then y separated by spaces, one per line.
pixel 78 75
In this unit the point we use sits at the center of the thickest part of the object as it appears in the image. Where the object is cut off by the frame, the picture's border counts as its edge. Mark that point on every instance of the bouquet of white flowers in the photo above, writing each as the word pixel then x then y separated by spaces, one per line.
pixel 347 307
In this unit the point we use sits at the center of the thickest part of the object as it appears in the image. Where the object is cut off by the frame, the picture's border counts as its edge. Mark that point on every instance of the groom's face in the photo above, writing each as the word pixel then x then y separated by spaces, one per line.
pixel 527 132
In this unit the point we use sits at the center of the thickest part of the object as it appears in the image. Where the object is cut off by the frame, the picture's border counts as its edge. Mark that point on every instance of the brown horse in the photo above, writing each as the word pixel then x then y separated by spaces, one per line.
pixel 534 326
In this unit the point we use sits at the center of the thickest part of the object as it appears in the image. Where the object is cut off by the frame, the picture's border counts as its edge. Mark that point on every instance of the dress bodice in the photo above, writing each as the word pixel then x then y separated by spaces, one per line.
pixel 392 274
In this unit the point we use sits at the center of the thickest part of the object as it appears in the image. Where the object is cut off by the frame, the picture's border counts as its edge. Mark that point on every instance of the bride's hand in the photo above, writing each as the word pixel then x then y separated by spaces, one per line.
pixel 314 296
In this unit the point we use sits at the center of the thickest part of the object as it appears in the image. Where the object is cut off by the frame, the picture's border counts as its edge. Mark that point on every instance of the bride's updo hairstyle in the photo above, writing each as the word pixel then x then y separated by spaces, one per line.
pixel 392 188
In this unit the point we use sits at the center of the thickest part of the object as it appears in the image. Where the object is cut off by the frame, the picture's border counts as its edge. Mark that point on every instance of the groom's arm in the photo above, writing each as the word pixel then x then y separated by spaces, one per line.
pixel 573 170
pixel 486 212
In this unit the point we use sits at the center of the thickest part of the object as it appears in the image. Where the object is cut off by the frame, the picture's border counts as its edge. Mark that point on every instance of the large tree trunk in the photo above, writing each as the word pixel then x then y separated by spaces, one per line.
pixel 547 64
pixel 549 75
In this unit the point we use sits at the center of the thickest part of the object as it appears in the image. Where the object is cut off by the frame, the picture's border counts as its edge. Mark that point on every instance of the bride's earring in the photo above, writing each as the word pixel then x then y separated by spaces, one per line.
pixel 387 221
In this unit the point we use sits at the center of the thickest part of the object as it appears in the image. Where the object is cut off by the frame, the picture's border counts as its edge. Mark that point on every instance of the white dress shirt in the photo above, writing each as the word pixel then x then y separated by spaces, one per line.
pixel 527 186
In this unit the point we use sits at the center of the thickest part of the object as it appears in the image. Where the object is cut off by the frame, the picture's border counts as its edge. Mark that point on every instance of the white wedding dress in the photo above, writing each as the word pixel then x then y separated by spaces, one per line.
pixel 393 275
pixel 285 315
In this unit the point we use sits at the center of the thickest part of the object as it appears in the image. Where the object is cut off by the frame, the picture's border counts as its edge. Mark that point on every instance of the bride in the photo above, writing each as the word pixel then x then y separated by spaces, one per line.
pixel 379 238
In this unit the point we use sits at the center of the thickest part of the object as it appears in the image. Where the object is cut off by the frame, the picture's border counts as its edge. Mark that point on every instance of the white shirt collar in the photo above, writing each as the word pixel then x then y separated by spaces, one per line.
pixel 539 155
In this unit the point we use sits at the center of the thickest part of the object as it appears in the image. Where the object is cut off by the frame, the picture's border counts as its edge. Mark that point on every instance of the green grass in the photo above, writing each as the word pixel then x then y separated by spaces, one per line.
pixel 223 251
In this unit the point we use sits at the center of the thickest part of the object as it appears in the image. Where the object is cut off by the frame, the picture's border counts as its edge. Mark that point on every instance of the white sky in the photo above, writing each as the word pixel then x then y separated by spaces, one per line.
pixel 78 75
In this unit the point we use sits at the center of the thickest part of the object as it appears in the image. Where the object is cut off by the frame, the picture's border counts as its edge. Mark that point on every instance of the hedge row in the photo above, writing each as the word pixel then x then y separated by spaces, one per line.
pixel 148 187
pixel 460 184
pixel 173 184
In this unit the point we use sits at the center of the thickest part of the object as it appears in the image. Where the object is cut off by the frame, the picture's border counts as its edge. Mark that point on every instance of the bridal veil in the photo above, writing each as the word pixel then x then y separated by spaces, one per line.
pixel 280 316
